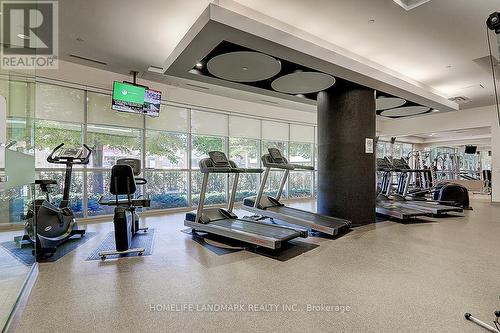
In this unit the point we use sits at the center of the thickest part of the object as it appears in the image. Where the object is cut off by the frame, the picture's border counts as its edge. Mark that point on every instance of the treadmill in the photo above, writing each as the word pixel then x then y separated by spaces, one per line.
pixel 271 210
pixel 385 205
pixel 432 207
pixel 224 222
pixel 399 207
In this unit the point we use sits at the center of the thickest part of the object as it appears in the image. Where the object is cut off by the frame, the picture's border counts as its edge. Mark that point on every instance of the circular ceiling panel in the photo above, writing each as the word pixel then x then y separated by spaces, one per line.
pixel 405 111
pixel 243 66
pixel 384 103
pixel 303 82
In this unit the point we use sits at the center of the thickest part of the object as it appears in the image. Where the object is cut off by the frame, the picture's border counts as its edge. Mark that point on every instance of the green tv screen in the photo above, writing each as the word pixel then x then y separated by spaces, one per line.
pixel 135 99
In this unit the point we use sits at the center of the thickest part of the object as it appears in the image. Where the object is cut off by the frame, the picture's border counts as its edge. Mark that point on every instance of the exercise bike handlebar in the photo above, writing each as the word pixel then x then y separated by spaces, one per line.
pixel 69 160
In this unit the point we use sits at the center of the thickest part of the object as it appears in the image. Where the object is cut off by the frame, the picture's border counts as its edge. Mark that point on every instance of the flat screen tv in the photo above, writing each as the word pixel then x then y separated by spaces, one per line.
pixel 132 98
pixel 470 149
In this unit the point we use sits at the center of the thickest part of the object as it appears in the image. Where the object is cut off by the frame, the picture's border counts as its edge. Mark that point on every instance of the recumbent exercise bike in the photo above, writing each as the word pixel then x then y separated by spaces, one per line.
pixel 124 181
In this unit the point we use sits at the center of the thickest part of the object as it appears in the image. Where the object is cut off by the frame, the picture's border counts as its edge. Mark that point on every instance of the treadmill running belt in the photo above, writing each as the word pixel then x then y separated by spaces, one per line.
pixel 257 228
pixel 308 216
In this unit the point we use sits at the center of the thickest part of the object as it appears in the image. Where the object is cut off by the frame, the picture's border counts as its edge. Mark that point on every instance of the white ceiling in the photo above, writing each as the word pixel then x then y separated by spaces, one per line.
pixel 475 136
pixel 421 43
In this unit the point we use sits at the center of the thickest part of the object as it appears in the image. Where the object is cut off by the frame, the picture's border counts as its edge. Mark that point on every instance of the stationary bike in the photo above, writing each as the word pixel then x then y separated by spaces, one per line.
pixel 124 181
pixel 55 224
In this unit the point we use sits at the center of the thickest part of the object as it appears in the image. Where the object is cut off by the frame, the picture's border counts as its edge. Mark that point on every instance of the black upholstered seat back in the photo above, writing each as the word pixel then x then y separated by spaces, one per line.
pixel 122 180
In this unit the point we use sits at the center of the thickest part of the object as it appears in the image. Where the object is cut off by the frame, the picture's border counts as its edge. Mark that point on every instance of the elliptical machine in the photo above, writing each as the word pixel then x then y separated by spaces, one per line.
pixel 124 181
pixel 55 224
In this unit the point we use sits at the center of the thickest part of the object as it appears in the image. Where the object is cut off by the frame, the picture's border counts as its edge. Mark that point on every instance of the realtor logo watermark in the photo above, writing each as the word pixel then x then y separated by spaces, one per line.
pixel 29 35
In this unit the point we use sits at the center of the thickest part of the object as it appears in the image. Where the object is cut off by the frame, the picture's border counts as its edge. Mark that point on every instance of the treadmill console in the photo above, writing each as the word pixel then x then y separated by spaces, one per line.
pixel 219 158
pixel 276 155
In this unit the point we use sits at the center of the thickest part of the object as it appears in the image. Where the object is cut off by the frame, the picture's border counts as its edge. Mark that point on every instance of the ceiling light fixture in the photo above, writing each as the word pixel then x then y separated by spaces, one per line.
pixel 244 68
pixel 22 36
pixel 199 65
pixel 371 21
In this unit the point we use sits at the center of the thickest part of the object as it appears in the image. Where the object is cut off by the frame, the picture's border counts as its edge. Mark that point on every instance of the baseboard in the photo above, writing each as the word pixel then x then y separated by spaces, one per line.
pixel 21 301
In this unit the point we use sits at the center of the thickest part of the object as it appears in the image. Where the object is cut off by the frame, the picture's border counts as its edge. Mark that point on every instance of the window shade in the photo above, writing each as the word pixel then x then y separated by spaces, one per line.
pixel 100 112
pixel 171 118
pixel 209 123
pixel 301 133
pixel 59 103
pixel 274 131
pixel 241 127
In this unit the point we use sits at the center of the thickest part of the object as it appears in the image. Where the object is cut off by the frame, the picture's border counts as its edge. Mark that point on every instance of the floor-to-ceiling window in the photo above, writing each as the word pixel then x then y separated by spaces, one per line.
pixel 244 150
pixel 301 152
pixel 169 146
pixel 209 133
pixel 166 158
pixel 275 135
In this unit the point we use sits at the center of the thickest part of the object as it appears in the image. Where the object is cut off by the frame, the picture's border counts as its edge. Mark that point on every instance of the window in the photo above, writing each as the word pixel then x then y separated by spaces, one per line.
pixel 407 149
pixel 300 182
pixel 217 183
pixel 50 134
pixel 274 179
pixel 97 186
pixel 170 146
pixel 76 189
pixel 245 153
pixel 201 145
pixel 380 149
pixel 167 189
pixel 111 143
pixel 397 151
pixel 166 150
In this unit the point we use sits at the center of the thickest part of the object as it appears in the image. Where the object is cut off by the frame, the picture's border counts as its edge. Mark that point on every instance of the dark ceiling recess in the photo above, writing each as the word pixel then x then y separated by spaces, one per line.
pixel 287 67
pixel 228 47
pixel 381 95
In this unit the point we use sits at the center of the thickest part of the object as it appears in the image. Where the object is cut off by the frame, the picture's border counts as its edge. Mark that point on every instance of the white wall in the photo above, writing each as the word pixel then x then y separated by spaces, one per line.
pixel 463 119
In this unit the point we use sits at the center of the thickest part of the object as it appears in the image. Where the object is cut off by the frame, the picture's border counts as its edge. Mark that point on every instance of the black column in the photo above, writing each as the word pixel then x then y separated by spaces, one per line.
pixel 346 173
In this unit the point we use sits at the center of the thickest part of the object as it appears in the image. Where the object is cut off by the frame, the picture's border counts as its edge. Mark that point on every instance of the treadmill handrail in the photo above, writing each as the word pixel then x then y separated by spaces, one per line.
pixel 302 167
pixel 251 170
pixel 279 166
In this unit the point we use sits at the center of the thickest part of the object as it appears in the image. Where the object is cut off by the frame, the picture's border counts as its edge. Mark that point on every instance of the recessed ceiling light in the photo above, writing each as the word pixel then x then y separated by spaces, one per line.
pixel 371 21
pixel 199 65
pixel 300 95
pixel 22 36
pixel 244 68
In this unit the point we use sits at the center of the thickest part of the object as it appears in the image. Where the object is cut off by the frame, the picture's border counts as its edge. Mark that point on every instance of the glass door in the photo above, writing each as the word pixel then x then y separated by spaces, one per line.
pixel 17 174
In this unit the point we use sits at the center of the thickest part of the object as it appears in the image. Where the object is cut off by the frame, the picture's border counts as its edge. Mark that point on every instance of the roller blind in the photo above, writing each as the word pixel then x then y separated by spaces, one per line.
pixel 274 131
pixel 209 123
pixel 241 127
pixel 171 118
pixel 100 112
pixel 301 133
pixel 59 103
